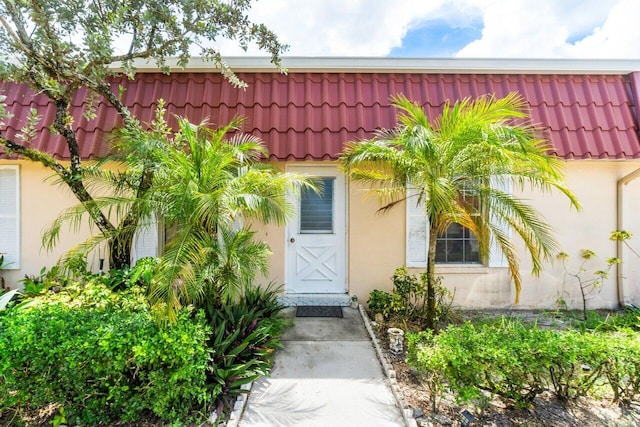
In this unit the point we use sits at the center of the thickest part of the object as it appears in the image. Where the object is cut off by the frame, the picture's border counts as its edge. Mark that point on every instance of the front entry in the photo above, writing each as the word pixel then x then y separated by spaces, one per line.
pixel 316 238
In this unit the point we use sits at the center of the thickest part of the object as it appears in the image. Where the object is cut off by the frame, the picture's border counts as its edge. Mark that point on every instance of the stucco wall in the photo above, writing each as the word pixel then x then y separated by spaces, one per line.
pixel 376 245
pixel 41 201
pixel 594 183
pixel 376 241
pixel 631 257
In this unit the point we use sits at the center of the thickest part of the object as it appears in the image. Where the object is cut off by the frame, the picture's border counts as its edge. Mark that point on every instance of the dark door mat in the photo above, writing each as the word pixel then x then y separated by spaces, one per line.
pixel 318 311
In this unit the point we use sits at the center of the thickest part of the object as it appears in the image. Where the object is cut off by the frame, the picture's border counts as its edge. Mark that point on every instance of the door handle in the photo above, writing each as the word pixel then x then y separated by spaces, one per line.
pixel 292 240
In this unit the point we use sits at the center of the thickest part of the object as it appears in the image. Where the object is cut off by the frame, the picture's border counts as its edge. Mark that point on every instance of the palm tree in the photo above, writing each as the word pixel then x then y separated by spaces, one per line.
pixel 206 187
pixel 457 166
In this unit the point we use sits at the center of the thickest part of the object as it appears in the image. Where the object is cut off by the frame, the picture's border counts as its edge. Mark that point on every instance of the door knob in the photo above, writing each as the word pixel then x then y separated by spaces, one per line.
pixel 292 240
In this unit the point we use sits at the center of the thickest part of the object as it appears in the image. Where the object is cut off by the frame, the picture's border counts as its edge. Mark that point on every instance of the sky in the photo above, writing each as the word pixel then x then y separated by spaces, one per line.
pixel 587 29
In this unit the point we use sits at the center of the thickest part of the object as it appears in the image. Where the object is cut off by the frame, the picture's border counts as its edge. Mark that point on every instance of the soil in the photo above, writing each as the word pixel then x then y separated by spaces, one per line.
pixel 545 411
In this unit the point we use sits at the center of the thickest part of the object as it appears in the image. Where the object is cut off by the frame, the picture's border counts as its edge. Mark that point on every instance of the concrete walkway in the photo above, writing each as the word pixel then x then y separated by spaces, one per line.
pixel 326 375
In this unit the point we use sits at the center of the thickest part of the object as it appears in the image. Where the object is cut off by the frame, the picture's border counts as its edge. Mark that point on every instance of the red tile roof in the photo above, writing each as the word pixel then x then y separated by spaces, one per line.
pixel 311 115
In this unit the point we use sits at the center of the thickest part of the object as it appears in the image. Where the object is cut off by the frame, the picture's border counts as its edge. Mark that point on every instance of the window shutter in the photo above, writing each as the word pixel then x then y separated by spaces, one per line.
pixel 10 215
pixel 145 240
pixel 417 238
pixel 496 257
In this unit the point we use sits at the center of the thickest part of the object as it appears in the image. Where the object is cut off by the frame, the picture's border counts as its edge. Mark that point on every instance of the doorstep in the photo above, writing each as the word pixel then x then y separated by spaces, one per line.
pixel 294 300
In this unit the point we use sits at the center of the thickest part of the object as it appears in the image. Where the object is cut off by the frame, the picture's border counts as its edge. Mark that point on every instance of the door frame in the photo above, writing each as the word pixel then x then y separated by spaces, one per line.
pixel 316 170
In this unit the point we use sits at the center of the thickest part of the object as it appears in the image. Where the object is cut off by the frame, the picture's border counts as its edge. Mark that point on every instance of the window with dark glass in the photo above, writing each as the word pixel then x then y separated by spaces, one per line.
pixel 316 210
pixel 457 246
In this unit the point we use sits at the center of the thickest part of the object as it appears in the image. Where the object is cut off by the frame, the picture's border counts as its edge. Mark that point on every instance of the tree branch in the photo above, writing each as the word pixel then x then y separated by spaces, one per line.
pixel 34 155
pixel 16 38
pixel 144 54
pixel 16 16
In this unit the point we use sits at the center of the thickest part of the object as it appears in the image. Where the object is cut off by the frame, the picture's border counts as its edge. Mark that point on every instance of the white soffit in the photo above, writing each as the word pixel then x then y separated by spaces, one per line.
pixel 419 65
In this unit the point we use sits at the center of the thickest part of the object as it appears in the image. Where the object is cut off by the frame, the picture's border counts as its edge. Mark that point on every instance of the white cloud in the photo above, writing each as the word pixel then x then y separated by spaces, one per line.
pixel 545 28
pixel 617 38
pixel 511 28
pixel 338 27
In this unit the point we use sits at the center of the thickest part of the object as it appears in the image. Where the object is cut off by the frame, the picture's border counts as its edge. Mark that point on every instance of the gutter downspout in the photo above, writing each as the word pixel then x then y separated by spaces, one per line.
pixel 634 98
pixel 622 183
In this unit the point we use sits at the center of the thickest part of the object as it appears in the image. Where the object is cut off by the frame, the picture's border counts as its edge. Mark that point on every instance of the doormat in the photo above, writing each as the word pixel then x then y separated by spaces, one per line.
pixel 318 311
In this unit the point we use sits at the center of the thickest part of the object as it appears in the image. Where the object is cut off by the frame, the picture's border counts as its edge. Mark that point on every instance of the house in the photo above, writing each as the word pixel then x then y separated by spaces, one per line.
pixel 587 108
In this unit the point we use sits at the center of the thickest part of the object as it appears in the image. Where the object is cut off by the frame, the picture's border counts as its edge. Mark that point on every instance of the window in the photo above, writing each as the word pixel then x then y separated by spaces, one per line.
pixel 316 210
pixel 457 246
pixel 145 240
pixel 10 215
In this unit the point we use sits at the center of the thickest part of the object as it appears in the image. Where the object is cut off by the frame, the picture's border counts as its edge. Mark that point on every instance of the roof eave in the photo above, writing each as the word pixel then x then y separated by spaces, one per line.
pixel 393 65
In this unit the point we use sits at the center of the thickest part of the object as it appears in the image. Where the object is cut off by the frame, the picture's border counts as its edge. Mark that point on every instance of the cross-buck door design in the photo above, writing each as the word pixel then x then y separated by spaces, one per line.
pixel 316 241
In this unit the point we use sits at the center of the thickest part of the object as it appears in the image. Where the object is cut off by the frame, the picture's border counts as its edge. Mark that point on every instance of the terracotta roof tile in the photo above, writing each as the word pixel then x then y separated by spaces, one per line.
pixel 311 115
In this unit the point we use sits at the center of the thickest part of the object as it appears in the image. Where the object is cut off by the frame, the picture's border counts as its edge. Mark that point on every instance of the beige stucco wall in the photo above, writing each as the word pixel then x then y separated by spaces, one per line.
pixel 41 201
pixel 376 245
pixel 376 241
pixel 594 183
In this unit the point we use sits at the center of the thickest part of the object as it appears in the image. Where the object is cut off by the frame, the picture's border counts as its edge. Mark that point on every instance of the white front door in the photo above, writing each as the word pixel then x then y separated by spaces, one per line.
pixel 316 239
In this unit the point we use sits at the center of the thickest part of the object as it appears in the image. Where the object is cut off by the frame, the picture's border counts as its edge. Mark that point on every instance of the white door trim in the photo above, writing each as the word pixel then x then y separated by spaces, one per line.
pixel 292 282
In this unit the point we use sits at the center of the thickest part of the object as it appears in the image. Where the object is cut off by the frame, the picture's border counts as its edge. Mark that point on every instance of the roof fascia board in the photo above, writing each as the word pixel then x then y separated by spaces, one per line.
pixel 393 65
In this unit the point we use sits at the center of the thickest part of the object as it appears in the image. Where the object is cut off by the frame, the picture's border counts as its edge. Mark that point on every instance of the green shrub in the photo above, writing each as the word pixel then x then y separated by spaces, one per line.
pixel 429 364
pixel 102 357
pixel 518 361
pixel 407 302
pixel 622 366
pixel 380 302
pixel 245 334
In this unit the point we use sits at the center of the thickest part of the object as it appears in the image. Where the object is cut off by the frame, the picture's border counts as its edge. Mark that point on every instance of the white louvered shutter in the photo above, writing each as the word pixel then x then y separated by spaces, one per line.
pixel 496 258
pixel 417 238
pixel 146 240
pixel 10 215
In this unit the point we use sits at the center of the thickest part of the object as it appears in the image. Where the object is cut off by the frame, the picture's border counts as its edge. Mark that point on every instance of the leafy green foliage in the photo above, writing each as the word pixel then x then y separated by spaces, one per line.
pixel 518 361
pixel 407 303
pixel 66 49
pixel 79 37
pixel 591 283
pixel 207 185
pixel 102 357
pixel 457 165
pixel 245 334
pixel 140 274
pixel 380 302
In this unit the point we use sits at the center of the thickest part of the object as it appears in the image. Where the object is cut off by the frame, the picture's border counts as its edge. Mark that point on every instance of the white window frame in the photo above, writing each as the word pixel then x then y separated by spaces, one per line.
pixel 417 231
pixel 146 240
pixel 13 258
pixel 417 236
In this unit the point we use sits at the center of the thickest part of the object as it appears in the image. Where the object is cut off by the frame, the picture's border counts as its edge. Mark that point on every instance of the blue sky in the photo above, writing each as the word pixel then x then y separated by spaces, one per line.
pixel 452 28
pixel 436 38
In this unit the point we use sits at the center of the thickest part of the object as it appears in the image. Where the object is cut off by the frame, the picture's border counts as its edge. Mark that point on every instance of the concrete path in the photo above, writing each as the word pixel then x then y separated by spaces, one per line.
pixel 327 375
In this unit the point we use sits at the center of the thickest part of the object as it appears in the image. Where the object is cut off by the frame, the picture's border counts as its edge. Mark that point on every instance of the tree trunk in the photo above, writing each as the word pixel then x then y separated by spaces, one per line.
pixel 431 279
pixel 120 251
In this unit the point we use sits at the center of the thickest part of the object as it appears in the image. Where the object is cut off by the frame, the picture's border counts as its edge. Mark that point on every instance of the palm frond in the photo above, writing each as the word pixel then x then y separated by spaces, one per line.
pixel 473 143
